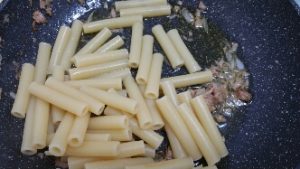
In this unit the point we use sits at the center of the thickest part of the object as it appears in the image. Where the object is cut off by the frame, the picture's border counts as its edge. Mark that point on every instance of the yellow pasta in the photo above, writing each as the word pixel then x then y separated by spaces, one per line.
pixel 136 45
pixel 169 90
pixel 62 101
pixel 190 79
pixel 22 97
pixel 201 138
pixel 152 88
pixel 182 163
pixel 60 44
pixel 117 164
pixel 138 3
pixel 149 151
pixel 78 131
pixel 96 42
pixel 210 167
pixel 143 115
pixel 94 70
pixel 169 49
pixel 172 117
pixel 108 122
pixel 42 62
pixel 73 42
pixel 157 121
pixel 113 23
pixel 112 99
pixel 97 137
pixel 189 61
pixel 58 144
pixel 113 44
pixel 78 162
pixel 130 149
pixel 96 58
pixel 103 84
pixel 116 135
pixel 184 97
pixel 177 149
pixel 120 73
pixel 147 11
pixel 145 61
pixel 204 115
pixel 95 149
pixel 94 105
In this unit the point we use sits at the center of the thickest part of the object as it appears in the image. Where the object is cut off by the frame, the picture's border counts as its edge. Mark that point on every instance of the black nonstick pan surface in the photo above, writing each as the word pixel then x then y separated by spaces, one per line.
pixel 265 136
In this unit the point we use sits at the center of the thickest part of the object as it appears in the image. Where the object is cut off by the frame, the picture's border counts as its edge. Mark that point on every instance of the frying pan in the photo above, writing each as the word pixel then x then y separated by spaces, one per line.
pixel 266 135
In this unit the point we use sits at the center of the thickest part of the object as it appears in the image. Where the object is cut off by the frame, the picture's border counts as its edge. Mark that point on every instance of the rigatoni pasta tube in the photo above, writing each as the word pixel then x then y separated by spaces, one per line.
pixel 94 70
pixel 149 136
pixel 116 135
pixel 113 44
pixel 177 149
pixel 73 42
pixel 149 151
pixel 138 3
pixel 95 149
pixel 146 60
pixel 189 61
pixel 143 115
pixel 112 99
pixel 113 23
pixel 103 84
pixel 169 90
pixel 185 97
pixel 56 113
pixel 96 58
pixel 152 88
pixel 183 163
pixel 108 122
pixel 96 42
pixel 147 11
pixel 65 102
pixel 42 62
pixel 97 137
pixel 201 138
pixel 27 148
pixel 119 73
pixel 204 115
pixel 210 167
pixel 190 79
pixel 136 44
pixel 60 44
pixel 157 122
pixel 168 47
pixel 131 149
pixel 94 105
pixel 172 117
pixel 22 97
pixel 59 141
pixel 117 164
pixel 79 128
pixel 78 162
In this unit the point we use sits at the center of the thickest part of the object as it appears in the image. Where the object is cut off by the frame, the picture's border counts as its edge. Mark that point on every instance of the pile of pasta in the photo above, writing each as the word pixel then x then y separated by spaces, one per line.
pixel 90 112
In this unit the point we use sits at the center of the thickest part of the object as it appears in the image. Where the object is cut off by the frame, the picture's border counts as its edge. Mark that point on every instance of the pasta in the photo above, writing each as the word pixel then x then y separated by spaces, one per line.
pixel 143 115
pixel 42 62
pixel 169 90
pixel 177 149
pixel 78 162
pixel 94 105
pixel 96 58
pixel 146 58
pixel 60 44
pixel 59 142
pixel 111 45
pixel 210 167
pixel 136 45
pixel 185 97
pixel 157 122
pixel 116 135
pixel 138 3
pixel 117 164
pixel 97 137
pixel 62 101
pixel 103 84
pixel 114 100
pixel 96 42
pixel 182 163
pixel 108 122
pixel 189 61
pixel 22 97
pixel 202 111
pixel 201 138
pixel 95 149
pixel 113 23
pixel 72 44
pixel 120 73
pixel 152 88
pixel 150 137
pixel 94 70
pixel 130 149
pixel 172 117
pixel 170 51
pixel 79 128
pixel 190 79
pixel 149 151
pixel 147 11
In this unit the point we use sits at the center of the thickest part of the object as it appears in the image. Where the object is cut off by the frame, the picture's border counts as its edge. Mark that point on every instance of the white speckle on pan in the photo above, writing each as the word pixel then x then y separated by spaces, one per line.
pixel 12 95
